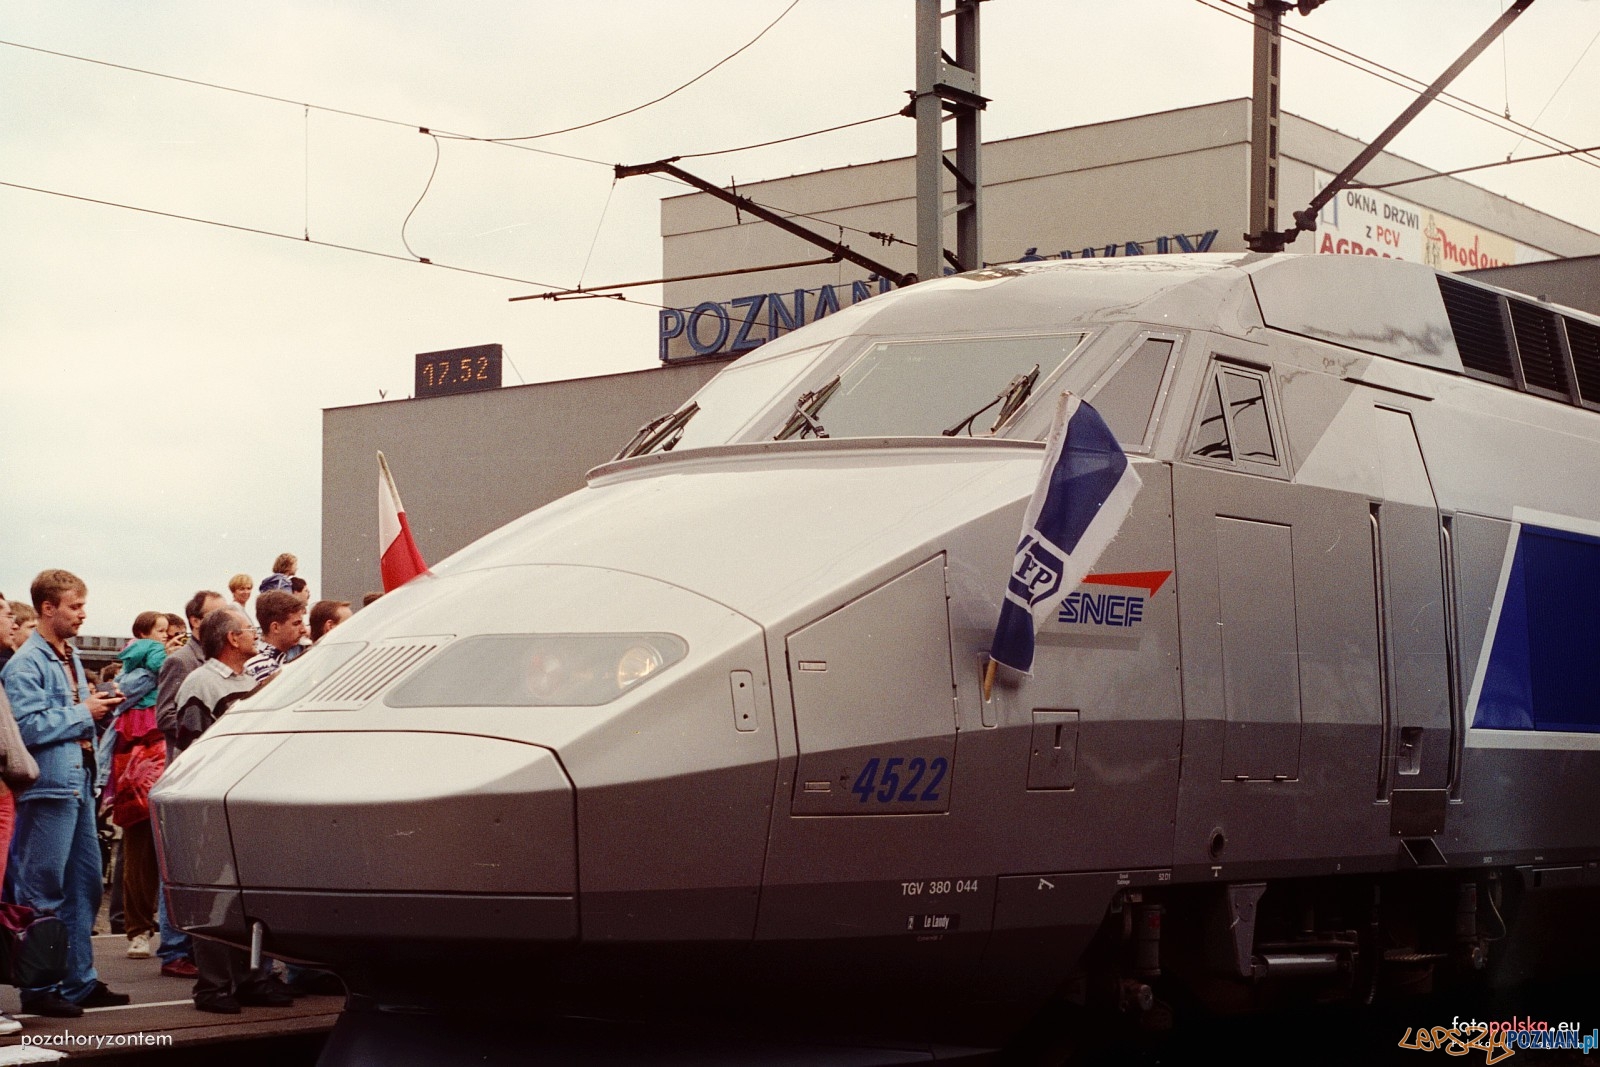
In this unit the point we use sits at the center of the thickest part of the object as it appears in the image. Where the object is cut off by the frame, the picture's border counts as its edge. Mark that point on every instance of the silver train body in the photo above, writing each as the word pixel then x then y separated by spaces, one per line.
pixel 713 725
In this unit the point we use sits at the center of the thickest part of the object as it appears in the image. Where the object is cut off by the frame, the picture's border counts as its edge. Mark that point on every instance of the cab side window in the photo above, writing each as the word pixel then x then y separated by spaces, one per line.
pixel 1127 397
pixel 1246 400
pixel 1211 432
pixel 1235 422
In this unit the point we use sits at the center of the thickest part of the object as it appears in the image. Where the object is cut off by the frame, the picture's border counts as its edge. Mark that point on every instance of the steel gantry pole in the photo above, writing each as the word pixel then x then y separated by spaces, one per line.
pixel 948 83
pixel 1264 235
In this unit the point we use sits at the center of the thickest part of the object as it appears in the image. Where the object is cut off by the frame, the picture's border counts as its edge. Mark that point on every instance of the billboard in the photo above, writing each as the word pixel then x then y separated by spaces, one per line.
pixel 1370 222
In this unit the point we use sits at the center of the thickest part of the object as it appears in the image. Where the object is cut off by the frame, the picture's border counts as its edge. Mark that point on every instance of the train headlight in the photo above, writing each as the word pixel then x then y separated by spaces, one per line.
pixel 538 670
pixel 637 664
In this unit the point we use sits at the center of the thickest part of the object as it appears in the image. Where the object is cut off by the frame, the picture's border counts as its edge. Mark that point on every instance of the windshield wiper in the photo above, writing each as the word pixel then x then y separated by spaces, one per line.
pixel 1016 394
pixel 668 428
pixel 804 417
pixel 1010 399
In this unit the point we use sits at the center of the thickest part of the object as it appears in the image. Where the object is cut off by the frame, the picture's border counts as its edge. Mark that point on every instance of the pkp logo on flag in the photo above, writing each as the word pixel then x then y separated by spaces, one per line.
pixel 1036 573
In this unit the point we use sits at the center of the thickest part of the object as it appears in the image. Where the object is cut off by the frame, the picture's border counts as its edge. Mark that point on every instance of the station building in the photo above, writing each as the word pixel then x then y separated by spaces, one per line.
pixel 1170 182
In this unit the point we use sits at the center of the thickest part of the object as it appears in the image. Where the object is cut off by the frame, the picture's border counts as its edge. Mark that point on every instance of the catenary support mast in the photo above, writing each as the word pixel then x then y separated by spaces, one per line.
pixel 948 83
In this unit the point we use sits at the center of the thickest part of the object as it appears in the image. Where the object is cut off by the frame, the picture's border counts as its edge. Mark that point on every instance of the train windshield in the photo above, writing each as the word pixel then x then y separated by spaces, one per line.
pixel 969 386
pixel 738 394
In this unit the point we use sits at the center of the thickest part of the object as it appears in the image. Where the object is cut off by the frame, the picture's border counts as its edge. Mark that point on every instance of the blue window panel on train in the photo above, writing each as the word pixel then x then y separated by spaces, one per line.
pixel 1543 671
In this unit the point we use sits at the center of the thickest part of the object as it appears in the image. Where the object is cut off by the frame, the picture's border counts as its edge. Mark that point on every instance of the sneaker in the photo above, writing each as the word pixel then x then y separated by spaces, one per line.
pixel 8 1025
pixel 51 1006
pixel 101 996
pixel 217 1003
pixel 180 968
pixel 139 947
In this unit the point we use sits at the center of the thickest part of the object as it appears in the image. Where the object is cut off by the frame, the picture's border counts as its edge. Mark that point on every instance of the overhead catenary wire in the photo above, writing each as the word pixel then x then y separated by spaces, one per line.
pixel 786 140
pixel 448 135
pixel 306 190
pixel 1221 6
pixel 596 238
pixel 1581 56
pixel 239 228
pixel 650 103
pixel 427 128
pixel 439 134
pixel 1397 78
pixel 1349 58
pixel 602 291
pixel 878 235
pixel 1394 77
pixel 434 133
pixel 1465 170
pixel 1505 66
pixel 429 185
pixel 510 141
pixel 270 97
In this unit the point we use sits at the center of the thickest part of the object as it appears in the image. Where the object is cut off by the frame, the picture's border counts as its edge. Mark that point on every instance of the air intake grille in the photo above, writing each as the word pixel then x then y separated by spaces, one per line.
pixel 1584 341
pixel 1476 321
pixel 1538 333
pixel 367 675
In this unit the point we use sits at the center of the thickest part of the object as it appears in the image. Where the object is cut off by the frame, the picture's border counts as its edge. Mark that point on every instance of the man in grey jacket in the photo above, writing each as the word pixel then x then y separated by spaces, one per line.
pixel 181 663
pixel 177 951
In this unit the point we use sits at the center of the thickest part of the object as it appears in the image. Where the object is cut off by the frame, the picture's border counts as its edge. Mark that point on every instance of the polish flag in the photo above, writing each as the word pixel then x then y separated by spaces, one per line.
pixel 401 561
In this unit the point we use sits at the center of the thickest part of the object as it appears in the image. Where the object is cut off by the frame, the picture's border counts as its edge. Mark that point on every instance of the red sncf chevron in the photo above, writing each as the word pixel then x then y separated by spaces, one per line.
pixel 1151 580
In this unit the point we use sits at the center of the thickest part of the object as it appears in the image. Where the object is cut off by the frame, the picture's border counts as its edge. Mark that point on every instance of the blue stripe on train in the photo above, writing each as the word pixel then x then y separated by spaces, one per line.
pixel 1544 665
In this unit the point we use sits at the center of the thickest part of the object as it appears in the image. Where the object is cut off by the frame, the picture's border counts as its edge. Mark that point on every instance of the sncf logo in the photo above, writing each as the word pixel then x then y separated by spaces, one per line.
pixel 1121 609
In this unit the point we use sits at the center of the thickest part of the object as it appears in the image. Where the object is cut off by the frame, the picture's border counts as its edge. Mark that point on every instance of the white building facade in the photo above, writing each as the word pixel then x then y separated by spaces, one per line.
pixel 1177 181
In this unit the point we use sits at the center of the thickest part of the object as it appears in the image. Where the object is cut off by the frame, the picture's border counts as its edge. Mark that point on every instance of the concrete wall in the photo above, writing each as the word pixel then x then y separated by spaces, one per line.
pixel 1574 283
pixel 1137 179
pixel 1132 180
pixel 468 464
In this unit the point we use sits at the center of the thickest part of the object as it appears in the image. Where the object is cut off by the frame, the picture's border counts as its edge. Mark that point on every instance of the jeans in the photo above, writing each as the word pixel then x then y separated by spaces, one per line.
pixel 175 944
pixel 55 867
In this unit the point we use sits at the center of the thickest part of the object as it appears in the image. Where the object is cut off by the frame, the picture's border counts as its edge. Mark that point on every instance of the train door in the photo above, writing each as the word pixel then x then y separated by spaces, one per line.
pixel 867 872
pixel 1418 727
pixel 1276 610
pixel 875 703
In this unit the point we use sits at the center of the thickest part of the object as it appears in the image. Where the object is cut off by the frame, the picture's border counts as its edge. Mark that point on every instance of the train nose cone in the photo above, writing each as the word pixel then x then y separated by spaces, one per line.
pixel 354 838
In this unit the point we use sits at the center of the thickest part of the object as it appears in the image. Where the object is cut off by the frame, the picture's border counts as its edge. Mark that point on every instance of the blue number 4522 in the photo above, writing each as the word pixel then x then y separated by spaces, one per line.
pixel 889 790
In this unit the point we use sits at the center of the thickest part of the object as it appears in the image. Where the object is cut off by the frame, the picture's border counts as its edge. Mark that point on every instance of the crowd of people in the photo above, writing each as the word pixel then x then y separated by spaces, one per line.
pixel 101 745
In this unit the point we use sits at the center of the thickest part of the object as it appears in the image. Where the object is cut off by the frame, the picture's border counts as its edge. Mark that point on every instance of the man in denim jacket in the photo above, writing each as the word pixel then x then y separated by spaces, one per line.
pixel 55 856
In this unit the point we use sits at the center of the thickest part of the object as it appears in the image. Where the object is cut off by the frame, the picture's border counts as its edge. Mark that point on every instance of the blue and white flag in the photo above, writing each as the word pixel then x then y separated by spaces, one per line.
pixel 1083 495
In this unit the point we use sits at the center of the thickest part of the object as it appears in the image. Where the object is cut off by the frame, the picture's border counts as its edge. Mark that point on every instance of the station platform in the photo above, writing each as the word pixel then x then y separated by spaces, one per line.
pixel 161 1017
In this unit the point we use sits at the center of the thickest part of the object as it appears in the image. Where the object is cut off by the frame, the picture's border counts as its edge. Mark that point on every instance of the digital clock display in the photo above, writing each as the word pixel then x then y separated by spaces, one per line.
pixel 458 370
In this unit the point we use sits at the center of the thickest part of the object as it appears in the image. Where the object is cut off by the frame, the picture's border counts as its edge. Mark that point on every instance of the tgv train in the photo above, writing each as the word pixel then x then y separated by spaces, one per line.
pixel 711 732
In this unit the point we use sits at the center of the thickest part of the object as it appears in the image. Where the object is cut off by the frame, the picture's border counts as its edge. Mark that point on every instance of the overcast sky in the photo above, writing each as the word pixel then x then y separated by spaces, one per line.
pixel 162 381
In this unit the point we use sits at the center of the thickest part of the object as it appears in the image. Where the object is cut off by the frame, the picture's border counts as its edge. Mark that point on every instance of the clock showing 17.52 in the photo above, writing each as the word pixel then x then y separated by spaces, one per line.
pixel 458 370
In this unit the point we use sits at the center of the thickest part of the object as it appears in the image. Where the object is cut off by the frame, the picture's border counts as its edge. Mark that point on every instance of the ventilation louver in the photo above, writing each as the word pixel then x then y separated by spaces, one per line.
pixel 1584 340
pixel 1479 327
pixel 367 675
pixel 1538 333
